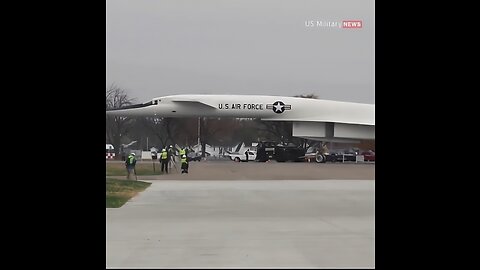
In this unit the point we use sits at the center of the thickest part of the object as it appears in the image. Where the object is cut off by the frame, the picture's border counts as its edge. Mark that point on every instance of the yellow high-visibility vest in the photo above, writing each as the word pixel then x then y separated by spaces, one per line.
pixel 164 155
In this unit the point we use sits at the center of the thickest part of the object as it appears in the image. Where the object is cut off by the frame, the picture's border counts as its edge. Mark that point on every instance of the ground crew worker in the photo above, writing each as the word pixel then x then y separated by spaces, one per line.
pixel 184 164
pixel 171 155
pixel 130 162
pixel 246 156
pixel 164 160
pixel 182 152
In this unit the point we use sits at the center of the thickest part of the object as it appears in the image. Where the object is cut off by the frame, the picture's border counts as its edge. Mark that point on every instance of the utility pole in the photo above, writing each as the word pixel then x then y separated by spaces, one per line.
pixel 198 134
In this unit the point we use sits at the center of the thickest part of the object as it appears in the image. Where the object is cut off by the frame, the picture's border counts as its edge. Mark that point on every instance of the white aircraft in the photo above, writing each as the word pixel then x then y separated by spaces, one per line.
pixel 129 144
pixel 315 119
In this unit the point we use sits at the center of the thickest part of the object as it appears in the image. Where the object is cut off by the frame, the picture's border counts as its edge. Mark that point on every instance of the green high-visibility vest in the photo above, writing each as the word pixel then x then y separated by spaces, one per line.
pixel 182 152
pixel 183 160
pixel 130 160
pixel 164 155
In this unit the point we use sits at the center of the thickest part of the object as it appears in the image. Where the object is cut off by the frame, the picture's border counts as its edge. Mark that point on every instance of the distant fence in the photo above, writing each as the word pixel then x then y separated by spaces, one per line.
pixel 146 155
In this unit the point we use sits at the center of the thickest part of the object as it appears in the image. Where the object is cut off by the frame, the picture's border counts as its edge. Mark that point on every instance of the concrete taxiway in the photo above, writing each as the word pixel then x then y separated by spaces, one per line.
pixel 245 224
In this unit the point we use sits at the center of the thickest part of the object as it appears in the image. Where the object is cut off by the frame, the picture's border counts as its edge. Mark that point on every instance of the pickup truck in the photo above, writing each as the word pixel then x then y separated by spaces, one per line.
pixel 237 157
pixel 280 152
pixel 289 152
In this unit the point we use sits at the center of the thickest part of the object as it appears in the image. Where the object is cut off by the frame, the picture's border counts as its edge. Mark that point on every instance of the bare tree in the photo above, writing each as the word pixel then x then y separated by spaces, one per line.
pixel 307 96
pixel 117 126
pixel 165 129
pixel 153 126
pixel 276 130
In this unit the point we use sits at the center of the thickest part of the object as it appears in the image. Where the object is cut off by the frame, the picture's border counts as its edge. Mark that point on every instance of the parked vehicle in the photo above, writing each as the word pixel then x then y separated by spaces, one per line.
pixel 237 157
pixel 368 155
pixel 192 156
pixel 154 152
pixel 313 153
pixel 268 150
pixel 110 151
pixel 342 155
pixel 338 155
pixel 289 152
pixel 265 151
pixel 323 158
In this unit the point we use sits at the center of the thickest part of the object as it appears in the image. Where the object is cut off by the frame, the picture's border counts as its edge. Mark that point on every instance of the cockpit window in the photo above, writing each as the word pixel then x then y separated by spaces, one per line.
pixel 133 106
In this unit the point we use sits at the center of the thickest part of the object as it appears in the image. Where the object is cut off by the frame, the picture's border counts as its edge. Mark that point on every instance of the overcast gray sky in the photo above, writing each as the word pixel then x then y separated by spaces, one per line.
pixel 164 47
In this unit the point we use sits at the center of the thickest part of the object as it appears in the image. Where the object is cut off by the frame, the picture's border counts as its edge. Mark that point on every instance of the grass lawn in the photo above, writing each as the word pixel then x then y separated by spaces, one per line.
pixel 118 169
pixel 120 191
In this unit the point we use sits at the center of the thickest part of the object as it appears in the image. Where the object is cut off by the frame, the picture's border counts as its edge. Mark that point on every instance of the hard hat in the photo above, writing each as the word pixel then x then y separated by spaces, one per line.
pixel 171 145
pixel 184 156
pixel 164 149
pixel 133 154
